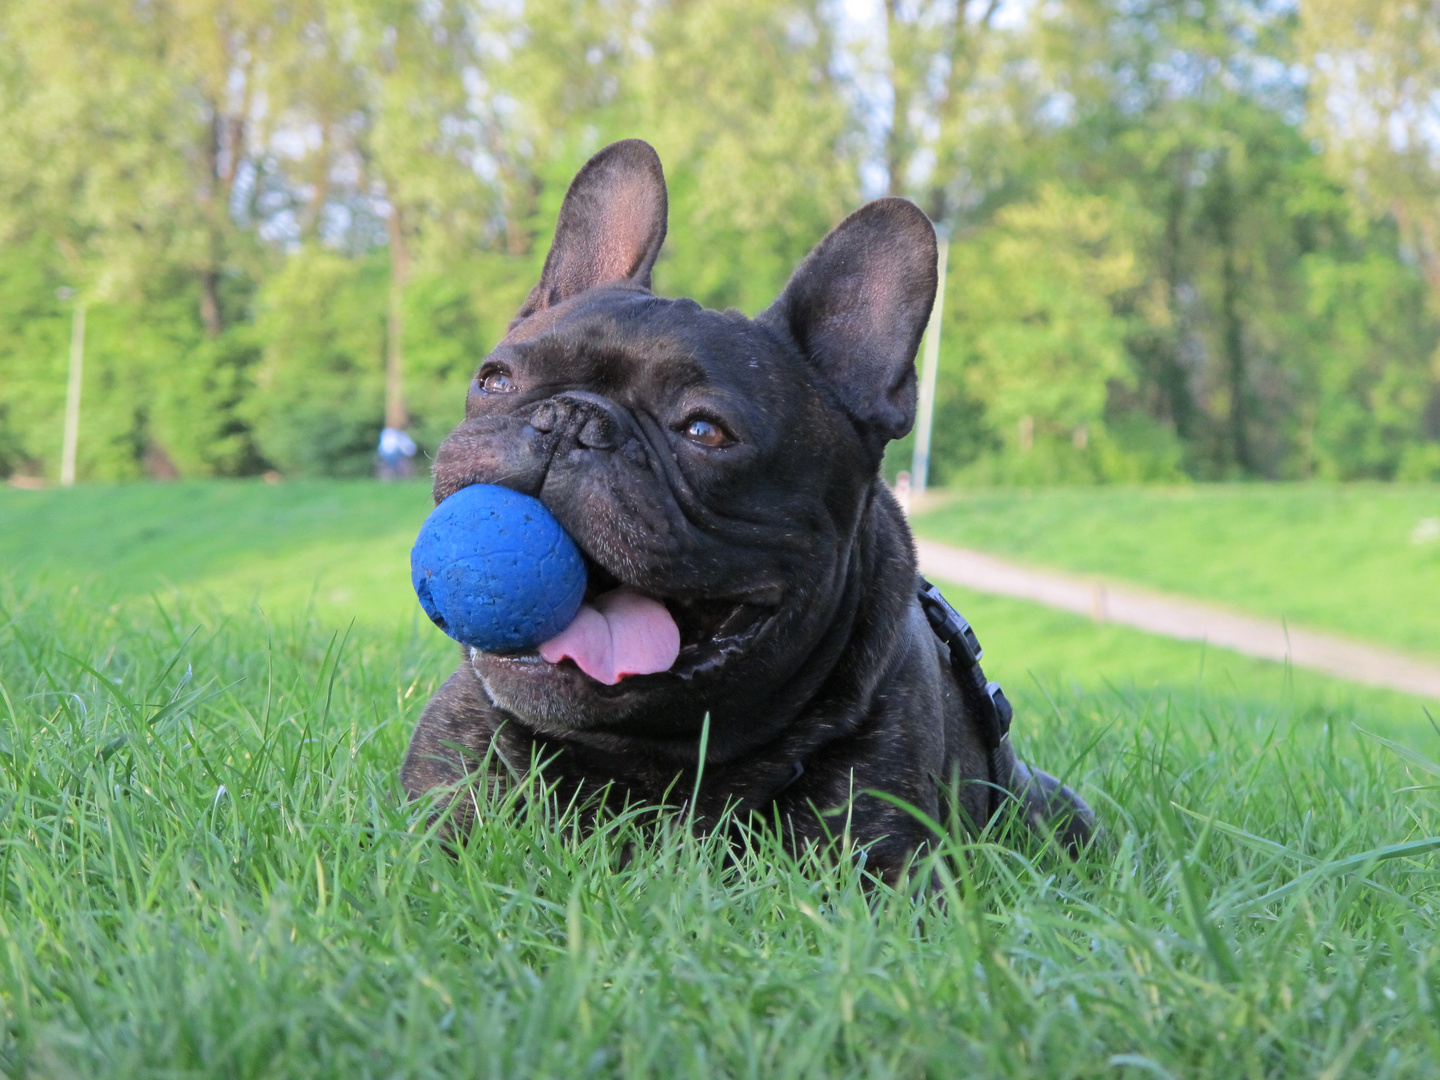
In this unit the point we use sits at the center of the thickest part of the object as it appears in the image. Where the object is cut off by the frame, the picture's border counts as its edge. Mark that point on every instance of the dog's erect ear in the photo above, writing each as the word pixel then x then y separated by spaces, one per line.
pixel 611 226
pixel 857 306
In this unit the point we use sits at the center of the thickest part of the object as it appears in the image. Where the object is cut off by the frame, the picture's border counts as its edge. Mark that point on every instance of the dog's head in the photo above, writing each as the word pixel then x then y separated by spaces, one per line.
pixel 716 464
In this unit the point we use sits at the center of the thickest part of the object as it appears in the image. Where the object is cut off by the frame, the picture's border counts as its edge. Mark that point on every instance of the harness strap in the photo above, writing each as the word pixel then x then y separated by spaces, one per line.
pixel 983 700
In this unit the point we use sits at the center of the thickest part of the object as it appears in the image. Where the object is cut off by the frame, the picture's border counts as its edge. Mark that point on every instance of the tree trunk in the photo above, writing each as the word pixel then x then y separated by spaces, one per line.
pixel 897 139
pixel 1235 361
pixel 1174 379
pixel 1232 324
pixel 1425 239
pixel 210 315
pixel 210 312
pixel 315 211
pixel 395 415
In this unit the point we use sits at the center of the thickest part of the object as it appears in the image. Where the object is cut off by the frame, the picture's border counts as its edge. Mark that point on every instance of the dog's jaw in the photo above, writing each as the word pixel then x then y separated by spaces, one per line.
pixel 556 698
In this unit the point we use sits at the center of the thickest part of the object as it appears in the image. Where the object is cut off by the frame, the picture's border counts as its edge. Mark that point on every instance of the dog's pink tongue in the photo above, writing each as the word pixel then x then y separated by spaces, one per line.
pixel 624 633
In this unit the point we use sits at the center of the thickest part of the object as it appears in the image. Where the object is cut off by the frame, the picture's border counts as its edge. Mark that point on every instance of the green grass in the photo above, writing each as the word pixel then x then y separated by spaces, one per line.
pixel 340 547
pixel 1344 558
pixel 1036 652
pixel 206 868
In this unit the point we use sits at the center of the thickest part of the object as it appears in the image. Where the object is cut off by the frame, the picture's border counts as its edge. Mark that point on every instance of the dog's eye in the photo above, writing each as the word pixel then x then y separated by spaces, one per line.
pixel 706 433
pixel 497 382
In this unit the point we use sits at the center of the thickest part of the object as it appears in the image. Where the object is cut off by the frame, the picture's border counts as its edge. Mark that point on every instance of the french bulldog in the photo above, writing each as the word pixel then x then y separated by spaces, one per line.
pixel 751 579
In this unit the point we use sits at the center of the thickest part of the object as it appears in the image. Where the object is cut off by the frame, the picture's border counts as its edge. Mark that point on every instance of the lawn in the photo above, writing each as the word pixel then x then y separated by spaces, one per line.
pixel 341 547
pixel 207 869
pixel 1363 560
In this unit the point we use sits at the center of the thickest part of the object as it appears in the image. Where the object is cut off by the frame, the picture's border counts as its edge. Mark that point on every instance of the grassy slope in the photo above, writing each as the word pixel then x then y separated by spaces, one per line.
pixel 343 547
pixel 206 869
pixel 1331 557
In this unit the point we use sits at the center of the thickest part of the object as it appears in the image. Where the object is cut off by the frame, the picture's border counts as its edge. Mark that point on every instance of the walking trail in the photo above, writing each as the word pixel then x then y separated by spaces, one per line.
pixel 1176 617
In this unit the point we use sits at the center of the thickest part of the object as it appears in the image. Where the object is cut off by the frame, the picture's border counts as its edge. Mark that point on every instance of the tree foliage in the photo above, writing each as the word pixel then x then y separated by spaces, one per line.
pixel 1377 69
pixel 1189 237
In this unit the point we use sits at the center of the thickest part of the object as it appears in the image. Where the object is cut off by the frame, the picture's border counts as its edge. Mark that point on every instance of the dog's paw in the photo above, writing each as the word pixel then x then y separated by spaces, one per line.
pixel 1053 809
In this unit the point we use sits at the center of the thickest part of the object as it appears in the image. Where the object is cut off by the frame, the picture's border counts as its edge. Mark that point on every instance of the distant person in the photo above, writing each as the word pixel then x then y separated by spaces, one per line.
pixel 395 457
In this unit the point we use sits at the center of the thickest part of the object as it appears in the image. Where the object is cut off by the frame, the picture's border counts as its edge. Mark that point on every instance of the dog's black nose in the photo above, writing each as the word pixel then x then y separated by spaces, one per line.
pixel 598 423
pixel 598 433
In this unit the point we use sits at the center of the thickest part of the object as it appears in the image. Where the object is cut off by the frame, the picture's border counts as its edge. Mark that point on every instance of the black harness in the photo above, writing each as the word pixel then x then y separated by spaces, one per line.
pixel 984 701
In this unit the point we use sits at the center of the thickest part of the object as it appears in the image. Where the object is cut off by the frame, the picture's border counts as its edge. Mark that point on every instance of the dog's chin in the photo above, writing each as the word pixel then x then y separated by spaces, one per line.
pixel 717 637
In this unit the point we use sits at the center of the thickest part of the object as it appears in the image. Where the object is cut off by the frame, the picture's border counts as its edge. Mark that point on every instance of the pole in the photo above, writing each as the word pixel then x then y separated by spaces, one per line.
pixel 930 369
pixel 72 394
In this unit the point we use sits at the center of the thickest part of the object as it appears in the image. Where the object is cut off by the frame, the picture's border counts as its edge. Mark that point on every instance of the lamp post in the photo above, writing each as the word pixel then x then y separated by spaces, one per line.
pixel 72 389
pixel 929 372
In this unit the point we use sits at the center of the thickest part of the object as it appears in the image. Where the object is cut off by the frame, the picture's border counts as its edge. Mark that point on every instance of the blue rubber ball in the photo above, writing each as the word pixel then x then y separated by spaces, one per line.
pixel 495 570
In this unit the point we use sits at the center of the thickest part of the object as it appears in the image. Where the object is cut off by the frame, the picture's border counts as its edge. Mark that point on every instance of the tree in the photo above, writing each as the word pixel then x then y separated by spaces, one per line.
pixel 1194 112
pixel 756 148
pixel 943 68
pixel 134 153
pixel 1036 295
pixel 276 208
pixel 1377 71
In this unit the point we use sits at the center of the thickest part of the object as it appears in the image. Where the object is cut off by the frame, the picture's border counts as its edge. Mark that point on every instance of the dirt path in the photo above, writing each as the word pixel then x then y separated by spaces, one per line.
pixel 1176 617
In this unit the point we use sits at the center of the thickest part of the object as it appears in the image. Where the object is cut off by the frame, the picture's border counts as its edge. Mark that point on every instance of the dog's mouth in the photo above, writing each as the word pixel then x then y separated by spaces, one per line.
pixel 712 630
pixel 625 634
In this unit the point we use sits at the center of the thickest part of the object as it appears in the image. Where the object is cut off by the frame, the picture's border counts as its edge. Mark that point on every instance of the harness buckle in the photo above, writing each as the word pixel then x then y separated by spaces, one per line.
pixel 1004 711
pixel 949 625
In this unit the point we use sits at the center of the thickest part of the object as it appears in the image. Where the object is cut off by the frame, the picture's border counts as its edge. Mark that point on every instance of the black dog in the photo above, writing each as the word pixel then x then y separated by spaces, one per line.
pixel 729 469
